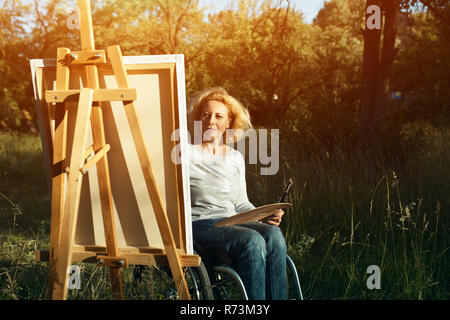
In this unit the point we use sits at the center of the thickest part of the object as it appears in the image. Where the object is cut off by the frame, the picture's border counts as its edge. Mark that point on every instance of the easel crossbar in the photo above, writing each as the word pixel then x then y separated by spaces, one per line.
pixel 141 256
pixel 100 95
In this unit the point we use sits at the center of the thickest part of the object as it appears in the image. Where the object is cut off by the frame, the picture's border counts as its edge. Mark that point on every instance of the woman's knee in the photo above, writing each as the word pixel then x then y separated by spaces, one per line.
pixel 275 239
pixel 251 242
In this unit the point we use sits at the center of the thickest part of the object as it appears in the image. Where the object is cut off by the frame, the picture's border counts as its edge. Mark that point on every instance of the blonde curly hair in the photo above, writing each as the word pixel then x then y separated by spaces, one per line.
pixel 240 118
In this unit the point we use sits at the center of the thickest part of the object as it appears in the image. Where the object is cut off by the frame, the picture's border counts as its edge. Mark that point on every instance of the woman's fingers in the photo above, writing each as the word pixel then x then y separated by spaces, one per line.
pixel 279 213
pixel 274 219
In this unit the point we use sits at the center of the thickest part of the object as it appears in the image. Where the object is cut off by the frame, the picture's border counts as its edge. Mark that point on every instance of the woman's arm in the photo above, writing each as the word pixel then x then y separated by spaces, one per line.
pixel 242 203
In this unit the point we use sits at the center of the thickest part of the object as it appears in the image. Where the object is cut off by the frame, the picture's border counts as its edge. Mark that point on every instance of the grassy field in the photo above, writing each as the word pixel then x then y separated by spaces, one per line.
pixel 349 213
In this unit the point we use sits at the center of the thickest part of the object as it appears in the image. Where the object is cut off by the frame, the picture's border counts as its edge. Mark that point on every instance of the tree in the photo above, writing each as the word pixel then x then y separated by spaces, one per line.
pixel 14 114
pixel 377 71
pixel 36 30
pixel 335 100
pixel 423 75
pixel 377 67
pixel 262 53
pixel 152 27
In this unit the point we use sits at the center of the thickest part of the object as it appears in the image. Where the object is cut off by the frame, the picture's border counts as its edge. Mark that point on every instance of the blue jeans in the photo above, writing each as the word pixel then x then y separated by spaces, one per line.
pixel 257 252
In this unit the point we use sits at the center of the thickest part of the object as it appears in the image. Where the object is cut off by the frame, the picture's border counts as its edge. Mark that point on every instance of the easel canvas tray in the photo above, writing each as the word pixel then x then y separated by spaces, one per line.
pixel 159 81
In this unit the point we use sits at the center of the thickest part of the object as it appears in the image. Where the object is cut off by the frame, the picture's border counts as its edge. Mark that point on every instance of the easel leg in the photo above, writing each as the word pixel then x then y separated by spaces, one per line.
pixel 70 214
pixel 59 156
pixel 116 283
pixel 106 200
pixel 116 58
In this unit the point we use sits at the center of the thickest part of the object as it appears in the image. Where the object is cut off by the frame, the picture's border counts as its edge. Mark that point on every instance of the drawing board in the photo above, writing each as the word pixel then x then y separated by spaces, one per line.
pixel 253 215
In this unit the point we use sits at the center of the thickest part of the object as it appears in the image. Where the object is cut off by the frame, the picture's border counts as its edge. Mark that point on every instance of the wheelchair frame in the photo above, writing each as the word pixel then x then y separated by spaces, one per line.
pixel 218 284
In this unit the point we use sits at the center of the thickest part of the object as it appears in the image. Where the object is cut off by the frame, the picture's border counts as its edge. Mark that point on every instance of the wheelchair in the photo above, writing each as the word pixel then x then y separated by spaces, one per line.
pixel 213 279
pixel 222 277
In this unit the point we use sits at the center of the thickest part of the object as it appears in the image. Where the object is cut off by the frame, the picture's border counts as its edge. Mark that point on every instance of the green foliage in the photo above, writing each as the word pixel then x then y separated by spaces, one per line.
pixel 153 27
pixel 262 58
pixel 422 75
pixel 305 77
pixel 21 160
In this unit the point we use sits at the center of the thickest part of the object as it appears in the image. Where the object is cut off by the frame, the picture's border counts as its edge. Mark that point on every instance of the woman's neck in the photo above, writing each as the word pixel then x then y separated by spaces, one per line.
pixel 214 148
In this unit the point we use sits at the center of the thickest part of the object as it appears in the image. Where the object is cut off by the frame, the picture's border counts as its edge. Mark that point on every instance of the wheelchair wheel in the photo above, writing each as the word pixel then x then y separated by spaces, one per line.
pixel 198 283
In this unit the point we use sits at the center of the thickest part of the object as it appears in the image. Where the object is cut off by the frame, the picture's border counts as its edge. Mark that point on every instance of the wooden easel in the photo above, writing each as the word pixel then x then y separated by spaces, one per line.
pixel 66 191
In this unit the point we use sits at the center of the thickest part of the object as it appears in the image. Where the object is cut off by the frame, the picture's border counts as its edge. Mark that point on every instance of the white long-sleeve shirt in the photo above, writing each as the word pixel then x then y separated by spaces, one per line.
pixel 218 187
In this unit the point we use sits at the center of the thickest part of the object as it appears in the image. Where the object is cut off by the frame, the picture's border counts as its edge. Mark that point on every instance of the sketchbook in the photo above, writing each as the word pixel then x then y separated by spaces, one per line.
pixel 253 215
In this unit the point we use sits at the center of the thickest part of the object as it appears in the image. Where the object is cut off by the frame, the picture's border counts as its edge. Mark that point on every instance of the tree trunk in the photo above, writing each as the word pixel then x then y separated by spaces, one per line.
pixel 370 67
pixel 377 73
pixel 392 11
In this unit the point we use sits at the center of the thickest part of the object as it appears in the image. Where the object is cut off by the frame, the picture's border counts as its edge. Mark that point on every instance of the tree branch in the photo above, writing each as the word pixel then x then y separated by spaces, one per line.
pixel 435 11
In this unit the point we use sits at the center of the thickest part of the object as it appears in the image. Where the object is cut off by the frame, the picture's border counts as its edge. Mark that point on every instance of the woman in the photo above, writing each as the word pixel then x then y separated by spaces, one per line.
pixel 218 190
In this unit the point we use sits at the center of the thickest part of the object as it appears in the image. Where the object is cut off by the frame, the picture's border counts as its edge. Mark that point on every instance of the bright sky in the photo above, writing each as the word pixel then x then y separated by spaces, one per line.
pixel 309 8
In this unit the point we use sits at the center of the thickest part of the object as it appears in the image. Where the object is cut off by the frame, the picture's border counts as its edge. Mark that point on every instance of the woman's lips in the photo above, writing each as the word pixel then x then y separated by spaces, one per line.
pixel 210 133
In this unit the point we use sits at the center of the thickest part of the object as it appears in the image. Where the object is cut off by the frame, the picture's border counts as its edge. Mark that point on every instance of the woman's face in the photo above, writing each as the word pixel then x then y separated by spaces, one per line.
pixel 215 120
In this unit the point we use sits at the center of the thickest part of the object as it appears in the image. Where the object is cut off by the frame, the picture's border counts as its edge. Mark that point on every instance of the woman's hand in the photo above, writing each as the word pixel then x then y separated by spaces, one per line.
pixel 274 219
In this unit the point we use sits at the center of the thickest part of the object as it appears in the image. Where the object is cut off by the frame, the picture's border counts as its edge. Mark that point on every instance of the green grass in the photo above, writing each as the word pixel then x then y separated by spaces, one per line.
pixel 349 212
pixel 24 191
